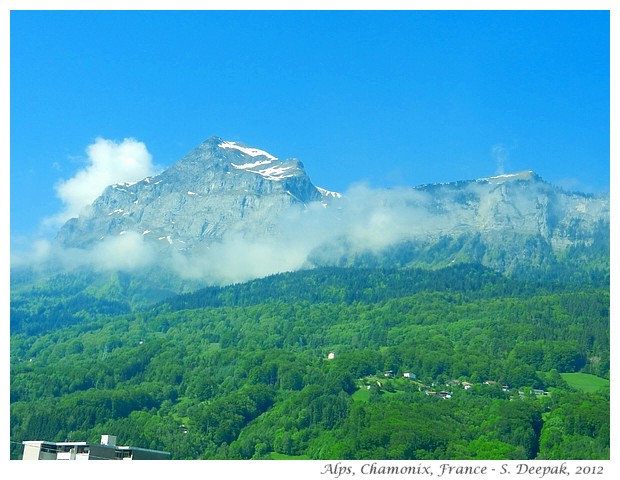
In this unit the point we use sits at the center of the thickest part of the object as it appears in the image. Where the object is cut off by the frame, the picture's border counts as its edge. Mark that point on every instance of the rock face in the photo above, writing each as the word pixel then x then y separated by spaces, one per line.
pixel 519 204
pixel 218 187
pixel 223 189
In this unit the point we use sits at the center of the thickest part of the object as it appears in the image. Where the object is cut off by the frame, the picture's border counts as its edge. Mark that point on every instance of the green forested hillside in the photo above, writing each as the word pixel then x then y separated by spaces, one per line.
pixel 457 363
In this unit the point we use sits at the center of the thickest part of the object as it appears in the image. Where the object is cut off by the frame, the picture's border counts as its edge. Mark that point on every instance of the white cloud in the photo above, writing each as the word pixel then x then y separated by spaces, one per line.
pixel 364 220
pixel 33 254
pixel 128 252
pixel 108 162
pixel 238 259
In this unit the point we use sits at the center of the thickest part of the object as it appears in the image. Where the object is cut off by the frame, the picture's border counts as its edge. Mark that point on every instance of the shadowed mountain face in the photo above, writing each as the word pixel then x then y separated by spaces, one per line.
pixel 228 212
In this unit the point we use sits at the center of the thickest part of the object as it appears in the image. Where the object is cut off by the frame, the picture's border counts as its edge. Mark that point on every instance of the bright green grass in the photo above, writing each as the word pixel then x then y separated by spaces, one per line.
pixel 585 381
pixel 361 395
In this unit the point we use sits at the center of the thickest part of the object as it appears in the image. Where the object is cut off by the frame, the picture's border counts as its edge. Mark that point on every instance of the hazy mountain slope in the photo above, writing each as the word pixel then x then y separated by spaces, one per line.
pixel 505 222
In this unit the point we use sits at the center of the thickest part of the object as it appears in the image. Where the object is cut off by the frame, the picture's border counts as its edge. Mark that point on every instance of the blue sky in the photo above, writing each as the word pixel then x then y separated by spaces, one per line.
pixel 387 98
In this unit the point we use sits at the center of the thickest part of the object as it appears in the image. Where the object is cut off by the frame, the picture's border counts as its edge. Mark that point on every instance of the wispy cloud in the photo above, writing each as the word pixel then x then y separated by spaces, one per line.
pixel 501 155
pixel 363 220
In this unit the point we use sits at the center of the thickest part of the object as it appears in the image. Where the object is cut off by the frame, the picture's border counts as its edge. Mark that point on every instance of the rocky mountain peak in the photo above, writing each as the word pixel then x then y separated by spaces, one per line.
pixel 235 158
pixel 219 186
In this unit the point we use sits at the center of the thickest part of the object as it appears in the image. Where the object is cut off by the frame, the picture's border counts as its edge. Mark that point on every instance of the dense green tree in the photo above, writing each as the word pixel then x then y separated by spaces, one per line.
pixel 243 371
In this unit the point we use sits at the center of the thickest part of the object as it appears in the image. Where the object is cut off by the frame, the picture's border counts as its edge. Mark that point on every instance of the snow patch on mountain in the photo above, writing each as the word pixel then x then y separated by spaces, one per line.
pixel 247 166
pixel 252 152
pixel 327 193
pixel 275 171
pixel 525 175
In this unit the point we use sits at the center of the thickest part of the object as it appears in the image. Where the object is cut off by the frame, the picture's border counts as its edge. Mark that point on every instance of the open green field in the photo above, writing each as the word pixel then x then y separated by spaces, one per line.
pixel 361 395
pixel 281 456
pixel 585 382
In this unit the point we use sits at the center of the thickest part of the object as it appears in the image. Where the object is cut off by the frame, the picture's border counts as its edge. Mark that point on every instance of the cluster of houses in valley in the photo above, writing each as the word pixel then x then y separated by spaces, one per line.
pixel 431 390
pixel 456 384
pixel 451 384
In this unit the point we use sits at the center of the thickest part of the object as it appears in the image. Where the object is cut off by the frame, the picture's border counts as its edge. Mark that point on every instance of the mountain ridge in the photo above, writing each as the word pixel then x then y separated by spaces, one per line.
pixel 243 178
pixel 227 212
